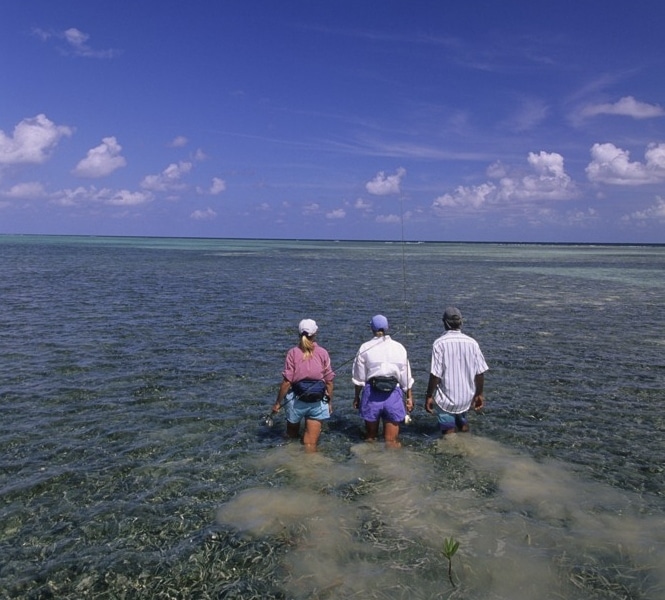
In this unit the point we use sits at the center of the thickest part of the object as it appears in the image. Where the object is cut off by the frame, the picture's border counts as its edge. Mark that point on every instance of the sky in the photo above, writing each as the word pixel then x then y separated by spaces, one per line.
pixel 482 121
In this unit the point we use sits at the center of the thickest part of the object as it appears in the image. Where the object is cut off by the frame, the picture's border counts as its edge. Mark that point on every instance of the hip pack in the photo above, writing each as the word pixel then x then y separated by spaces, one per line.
pixel 309 390
pixel 382 383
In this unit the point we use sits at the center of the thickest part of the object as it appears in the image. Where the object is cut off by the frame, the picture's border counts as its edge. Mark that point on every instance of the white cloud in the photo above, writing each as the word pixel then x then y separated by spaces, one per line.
pixel 102 160
pixel 77 43
pixel 383 185
pixel 128 198
pixel 548 181
pixel 653 213
pixel 612 165
pixel 168 179
pixel 627 107
pixel 203 215
pixel 32 142
pixel 69 197
pixel 178 142
pixel 338 213
pixel 473 197
pixel 26 191
pixel 391 219
pixel 362 204
pixel 218 186
pixel 312 208
pixel 82 195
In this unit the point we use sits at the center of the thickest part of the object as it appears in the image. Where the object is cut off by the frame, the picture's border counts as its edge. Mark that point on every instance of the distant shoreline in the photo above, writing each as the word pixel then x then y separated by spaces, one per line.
pixel 5 236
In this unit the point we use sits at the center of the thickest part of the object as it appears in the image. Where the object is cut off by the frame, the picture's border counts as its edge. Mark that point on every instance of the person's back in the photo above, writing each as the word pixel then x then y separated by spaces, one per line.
pixel 457 359
pixel 382 381
pixel 456 380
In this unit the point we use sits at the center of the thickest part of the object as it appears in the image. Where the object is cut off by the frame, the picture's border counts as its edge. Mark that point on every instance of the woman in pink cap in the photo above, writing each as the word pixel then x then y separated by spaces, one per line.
pixel 306 390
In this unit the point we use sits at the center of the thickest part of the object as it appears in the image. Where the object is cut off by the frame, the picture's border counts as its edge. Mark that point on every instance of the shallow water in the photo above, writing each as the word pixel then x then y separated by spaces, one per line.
pixel 134 374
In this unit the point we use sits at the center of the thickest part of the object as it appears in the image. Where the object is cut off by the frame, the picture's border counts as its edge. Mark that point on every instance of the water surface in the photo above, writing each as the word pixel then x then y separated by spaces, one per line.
pixel 134 374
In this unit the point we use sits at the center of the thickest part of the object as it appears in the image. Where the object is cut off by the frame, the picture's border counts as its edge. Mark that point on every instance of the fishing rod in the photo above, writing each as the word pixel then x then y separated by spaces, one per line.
pixel 268 419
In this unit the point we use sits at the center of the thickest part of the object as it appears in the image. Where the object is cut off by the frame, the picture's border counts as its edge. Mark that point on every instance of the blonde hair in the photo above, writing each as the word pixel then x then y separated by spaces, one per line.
pixel 306 344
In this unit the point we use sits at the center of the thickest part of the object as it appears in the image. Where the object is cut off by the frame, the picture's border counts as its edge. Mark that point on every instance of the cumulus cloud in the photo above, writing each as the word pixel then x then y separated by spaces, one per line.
pixel 472 196
pixel 203 215
pixel 612 165
pixel 25 191
pixel 178 142
pixel 218 186
pixel 312 208
pixel 652 213
pixel 128 198
pixel 627 107
pixel 362 204
pixel 82 195
pixel 391 219
pixel 338 213
pixel 547 180
pixel 383 185
pixel 33 141
pixel 102 160
pixel 168 179
pixel 76 43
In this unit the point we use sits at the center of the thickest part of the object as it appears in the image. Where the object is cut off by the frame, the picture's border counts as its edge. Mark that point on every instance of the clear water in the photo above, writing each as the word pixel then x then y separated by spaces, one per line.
pixel 134 375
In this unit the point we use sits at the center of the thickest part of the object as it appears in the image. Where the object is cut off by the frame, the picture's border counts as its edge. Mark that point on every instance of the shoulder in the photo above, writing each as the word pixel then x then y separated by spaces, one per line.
pixel 294 352
pixel 320 350
pixel 365 346
pixel 397 344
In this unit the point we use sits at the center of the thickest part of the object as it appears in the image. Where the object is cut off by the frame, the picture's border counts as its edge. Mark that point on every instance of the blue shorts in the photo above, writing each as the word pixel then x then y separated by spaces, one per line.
pixel 297 410
pixel 448 421
pixel 375 405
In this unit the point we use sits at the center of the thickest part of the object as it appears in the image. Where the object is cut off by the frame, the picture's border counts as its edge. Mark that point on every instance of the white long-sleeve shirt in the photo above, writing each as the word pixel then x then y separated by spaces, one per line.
pixel 382 356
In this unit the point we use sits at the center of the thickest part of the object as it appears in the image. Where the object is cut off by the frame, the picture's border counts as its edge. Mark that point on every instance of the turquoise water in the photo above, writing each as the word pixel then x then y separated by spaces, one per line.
pixel 135 372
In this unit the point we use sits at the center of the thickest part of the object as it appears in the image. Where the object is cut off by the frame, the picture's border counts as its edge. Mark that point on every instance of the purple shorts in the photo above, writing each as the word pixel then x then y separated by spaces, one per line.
pixel 375 405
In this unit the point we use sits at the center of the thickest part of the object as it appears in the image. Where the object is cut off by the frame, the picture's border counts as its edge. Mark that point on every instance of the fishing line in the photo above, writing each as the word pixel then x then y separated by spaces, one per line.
pixel 268 419
pixel 404 291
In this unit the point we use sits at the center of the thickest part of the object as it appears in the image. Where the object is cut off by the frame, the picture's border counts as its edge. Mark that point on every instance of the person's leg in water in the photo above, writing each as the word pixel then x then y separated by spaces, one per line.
pixel 311 436
pixel 371 430
pixel 391 434
pixel 292 430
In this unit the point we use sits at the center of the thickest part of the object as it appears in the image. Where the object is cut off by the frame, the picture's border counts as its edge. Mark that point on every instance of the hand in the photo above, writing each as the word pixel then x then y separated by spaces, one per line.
pixel 276 407
pixel 478 402
pixel 429 404
pixel 409 405
pixel 356 403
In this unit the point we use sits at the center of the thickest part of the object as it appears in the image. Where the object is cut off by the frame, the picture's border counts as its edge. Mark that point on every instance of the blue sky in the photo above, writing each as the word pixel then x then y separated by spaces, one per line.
pixel 420 120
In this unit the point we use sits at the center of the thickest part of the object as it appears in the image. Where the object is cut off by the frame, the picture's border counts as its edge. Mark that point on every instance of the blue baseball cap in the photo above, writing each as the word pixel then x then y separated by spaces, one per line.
pixel 379 322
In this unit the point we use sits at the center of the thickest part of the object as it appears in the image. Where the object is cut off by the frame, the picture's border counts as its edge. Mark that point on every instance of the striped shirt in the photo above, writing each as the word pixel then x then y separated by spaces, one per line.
pixel 456 360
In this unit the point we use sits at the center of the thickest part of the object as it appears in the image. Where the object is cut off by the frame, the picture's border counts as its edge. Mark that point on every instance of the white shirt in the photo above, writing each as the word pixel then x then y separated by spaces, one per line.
pixel 382 356
pixel 456 360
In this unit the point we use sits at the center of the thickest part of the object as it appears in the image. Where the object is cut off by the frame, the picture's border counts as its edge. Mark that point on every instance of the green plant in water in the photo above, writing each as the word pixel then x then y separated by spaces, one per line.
pixel 450 546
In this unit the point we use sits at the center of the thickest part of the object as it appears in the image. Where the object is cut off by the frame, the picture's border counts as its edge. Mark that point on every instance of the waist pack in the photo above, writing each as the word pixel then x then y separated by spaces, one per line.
pixel 309 390
pixel 382 383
